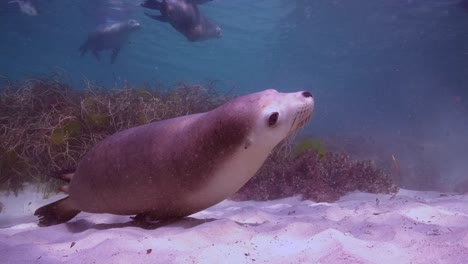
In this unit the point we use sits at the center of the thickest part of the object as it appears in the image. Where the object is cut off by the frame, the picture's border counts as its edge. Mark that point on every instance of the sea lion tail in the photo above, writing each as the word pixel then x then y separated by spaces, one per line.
pixel 56 213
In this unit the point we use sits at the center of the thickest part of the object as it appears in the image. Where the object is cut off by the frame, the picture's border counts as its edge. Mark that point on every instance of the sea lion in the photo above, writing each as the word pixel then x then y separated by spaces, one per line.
pixel 109 37
pixel 185 17
pixel 26 7
pixel 463 4
pixel 176 167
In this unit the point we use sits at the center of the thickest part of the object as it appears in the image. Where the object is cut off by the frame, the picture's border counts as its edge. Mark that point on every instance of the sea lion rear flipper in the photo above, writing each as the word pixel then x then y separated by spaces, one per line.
pixel 152 4
pixel 158 17
pixel 56 213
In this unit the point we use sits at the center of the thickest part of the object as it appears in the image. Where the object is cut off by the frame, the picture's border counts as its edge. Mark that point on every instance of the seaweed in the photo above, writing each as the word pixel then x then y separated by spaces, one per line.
pixel 314 144
pixel 46 126
pixel 315 176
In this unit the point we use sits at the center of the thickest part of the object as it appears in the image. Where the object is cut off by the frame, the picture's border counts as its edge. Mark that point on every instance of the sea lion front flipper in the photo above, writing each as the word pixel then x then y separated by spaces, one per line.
pixel 152 4
pixel 146 218
pixel 114 54
pixel 158 17
pixel 56 213
pixel 143 218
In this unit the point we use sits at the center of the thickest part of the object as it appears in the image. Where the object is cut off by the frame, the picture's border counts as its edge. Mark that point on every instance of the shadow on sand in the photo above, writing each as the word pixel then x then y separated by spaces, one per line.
pixel 186 223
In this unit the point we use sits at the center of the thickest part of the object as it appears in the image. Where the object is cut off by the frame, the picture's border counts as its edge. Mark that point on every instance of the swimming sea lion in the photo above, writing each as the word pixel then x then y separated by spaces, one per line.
pixel 176 167
pixel 109 37
pixel 185 17
pixel 26 6
pixel 463 4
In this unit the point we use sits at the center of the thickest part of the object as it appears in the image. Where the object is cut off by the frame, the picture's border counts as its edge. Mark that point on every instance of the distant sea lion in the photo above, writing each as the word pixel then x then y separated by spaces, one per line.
pixel 185 17
pixel 176 167
pixel 26 7
pixel 463 4
pixel 109 37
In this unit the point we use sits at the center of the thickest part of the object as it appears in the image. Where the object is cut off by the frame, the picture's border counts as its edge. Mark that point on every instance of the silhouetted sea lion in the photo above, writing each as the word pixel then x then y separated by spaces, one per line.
pixel 109 37
pixel 463 4
pixel 185 17
pixel 176 167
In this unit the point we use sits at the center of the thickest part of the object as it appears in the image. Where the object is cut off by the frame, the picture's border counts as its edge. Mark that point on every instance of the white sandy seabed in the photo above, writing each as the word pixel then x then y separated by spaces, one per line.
pixel 412 227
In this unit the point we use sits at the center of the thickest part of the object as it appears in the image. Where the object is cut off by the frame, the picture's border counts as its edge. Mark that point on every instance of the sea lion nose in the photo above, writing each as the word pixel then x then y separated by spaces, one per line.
pixel 307 94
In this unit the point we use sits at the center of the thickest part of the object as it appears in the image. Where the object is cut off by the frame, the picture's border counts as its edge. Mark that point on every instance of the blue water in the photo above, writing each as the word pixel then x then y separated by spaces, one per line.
pixel 377 68
pixel 155 54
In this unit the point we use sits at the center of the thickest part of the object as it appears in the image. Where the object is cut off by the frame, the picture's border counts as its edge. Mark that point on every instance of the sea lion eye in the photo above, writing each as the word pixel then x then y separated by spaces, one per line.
pixel 273 119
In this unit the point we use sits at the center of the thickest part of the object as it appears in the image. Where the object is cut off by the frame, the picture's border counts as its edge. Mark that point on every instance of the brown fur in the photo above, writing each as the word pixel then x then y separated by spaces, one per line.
pixel 131 163
pixel 161 169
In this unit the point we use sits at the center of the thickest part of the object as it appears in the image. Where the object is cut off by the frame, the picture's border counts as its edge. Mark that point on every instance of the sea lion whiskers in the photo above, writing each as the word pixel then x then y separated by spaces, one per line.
pixel 301 118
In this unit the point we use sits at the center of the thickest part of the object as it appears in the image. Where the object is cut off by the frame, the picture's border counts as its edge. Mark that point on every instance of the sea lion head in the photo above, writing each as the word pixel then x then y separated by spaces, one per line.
pixel 252 125
pixel 279 116
pixel 240 136
pixel 124 27
pixel 132 25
